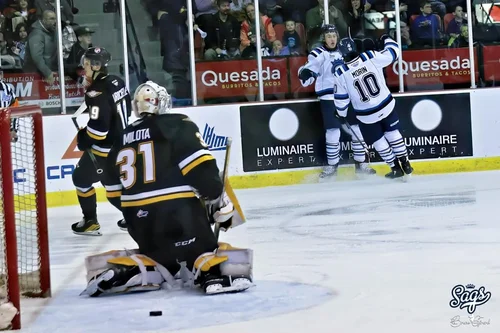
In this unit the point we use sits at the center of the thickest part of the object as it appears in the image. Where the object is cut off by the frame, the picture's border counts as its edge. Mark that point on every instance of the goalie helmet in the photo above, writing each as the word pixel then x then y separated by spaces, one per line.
pixel 151 98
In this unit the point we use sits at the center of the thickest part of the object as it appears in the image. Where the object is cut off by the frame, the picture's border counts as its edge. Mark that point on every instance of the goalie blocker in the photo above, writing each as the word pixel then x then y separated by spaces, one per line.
pixel 171 192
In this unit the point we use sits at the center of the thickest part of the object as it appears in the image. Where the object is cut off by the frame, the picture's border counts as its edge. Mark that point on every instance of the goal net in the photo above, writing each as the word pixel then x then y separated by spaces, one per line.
pixel 24 257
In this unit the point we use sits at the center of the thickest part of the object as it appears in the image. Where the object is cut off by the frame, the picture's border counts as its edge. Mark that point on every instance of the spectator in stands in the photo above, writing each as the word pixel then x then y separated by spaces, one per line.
pixel 405 34
pixel 426 29
pixel 291 38
pixel 453 28
pixel 461 40
pixel 41 53
pixel 20 12
pixel 248 34
pixel 315 18
pixel 238 9
pixel 7 61
pixel 354 17
pixel 279 50
pixel 20 40
pixel 272 10
pixel 223 32
pixel 438 7
pixel 84 35
pixel 206 8
pixel 172 17
pixel 68 39
pixel 66 12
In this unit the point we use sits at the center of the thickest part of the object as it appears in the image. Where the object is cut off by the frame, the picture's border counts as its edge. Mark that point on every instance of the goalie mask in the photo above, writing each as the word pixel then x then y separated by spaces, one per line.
pixel 151 98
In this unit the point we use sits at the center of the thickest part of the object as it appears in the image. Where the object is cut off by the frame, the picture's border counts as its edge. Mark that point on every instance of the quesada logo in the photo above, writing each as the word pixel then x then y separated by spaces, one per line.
pixel 214 141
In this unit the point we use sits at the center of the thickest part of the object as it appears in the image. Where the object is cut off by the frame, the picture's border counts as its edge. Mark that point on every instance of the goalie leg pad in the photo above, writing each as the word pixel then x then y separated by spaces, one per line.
pixel 228 269
pixel 111 273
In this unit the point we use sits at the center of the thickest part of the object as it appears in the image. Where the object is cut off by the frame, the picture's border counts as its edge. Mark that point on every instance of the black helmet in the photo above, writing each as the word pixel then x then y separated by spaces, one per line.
pixel 347 48
pixel 98 56
pixel 329 28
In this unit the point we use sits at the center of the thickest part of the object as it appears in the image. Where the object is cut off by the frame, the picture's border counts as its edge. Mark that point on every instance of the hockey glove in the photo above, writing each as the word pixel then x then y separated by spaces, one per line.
pixel 222 211
pixel 306 76
pixel 381 41
pixel 83 141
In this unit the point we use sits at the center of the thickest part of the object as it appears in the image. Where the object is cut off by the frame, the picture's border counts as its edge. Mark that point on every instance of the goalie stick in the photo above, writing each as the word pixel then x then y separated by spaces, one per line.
pixel 225 173
pixel 74 117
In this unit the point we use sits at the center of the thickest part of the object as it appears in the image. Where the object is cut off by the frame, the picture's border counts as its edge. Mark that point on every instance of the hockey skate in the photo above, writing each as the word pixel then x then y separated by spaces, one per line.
pixel 86 228
pixel 363 168
pixel 328 172
pixel 122 225
pixel 405 165
pixel 213 285
pixel 396 171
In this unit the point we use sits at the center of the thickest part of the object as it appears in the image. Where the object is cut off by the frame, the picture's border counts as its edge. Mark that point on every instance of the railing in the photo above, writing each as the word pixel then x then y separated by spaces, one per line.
pixel 206 79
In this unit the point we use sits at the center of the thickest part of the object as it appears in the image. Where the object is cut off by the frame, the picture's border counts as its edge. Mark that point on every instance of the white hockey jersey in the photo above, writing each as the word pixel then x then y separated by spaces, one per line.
pixel 361 81
pixel 321 61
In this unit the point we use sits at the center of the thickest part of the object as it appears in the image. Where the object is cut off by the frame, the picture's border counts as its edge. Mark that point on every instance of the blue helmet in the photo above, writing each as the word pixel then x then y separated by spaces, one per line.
pixel 329 28
pixel 347 48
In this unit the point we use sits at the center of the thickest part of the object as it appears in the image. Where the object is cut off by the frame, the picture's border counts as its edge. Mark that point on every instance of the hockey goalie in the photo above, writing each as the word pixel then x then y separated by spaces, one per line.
pixel 171 193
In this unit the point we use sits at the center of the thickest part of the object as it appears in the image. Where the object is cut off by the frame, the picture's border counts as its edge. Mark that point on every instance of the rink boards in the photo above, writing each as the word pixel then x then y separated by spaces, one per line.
pixel 282 143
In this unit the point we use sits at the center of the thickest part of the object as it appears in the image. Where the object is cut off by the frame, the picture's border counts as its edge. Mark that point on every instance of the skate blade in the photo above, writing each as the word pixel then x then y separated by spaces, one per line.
pixel 88 233
pixel 123 229
pixel 237 286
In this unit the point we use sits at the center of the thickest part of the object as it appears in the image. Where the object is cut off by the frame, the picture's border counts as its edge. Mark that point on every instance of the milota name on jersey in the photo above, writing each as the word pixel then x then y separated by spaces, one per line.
pixel 138 135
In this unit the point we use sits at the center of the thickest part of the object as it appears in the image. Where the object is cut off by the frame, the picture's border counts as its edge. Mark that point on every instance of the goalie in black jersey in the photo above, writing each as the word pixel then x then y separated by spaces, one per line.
pixel 108 103
pixel 171 192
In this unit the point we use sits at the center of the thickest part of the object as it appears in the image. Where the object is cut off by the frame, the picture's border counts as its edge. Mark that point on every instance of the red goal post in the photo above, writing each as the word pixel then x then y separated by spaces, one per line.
pixel 24 250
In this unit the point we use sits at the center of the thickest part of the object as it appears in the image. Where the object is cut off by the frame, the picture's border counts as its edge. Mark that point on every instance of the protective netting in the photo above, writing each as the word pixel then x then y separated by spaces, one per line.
pixel 23 161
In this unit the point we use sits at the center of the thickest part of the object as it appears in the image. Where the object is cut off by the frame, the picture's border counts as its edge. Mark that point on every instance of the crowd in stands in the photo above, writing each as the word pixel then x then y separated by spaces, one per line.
pixel 293 27
pixel 28 37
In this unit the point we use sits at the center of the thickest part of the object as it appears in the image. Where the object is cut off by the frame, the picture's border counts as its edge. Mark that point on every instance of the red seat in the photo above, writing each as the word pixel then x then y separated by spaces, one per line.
pixel 199 46
pixel 447 19
pixel 280 30
pixel 301 30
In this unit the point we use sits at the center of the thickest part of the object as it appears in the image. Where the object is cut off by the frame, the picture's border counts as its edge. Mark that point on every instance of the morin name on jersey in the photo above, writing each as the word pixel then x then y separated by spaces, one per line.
pixel 360 71
pixel 138 135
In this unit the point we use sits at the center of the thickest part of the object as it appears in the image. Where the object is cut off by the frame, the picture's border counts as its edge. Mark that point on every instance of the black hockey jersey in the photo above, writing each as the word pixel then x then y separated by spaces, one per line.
pixel 108 104
pixel 160 158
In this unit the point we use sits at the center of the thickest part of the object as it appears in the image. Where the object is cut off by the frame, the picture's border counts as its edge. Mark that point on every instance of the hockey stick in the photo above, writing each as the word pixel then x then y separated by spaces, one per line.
pixel 225 173
pixel 74 117
pixel 346 123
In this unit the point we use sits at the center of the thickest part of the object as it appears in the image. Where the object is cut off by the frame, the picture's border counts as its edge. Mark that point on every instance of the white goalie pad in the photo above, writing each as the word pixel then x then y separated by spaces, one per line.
pixel 239 262
pixel 98 263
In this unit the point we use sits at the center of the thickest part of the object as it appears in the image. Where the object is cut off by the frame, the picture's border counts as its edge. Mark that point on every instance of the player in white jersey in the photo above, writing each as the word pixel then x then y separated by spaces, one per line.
pixel 361 81
pixel 320 65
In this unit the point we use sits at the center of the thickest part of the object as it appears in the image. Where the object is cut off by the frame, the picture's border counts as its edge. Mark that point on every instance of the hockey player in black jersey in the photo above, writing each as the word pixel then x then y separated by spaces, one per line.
pixel 108 103
pixel 171 191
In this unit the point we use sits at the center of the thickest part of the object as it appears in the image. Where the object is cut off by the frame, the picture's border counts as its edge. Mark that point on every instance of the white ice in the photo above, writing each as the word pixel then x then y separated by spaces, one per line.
pixel 357 256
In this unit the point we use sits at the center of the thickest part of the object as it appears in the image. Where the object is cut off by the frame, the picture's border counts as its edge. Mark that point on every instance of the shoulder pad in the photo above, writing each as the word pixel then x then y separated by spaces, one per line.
pixel 317 51
pixel 367 55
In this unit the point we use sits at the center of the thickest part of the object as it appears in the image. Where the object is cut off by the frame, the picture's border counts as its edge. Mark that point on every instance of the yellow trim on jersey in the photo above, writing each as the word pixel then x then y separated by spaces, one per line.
pixel 149 201
pixel 96 137
pixel 195 163
pixel 113 194
pixel 85 194
pixel 98 153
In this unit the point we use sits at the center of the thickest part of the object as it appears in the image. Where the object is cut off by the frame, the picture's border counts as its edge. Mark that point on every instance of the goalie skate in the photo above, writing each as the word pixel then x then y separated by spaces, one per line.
pixel 226 284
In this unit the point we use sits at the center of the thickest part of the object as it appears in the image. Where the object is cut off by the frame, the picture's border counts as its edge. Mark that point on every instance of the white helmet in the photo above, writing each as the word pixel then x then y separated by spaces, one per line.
pixel 151 98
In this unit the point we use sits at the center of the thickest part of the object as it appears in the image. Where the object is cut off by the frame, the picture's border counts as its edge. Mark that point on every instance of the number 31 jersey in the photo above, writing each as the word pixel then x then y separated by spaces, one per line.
pixel 361 82
pixel 109 105
pixel 161 159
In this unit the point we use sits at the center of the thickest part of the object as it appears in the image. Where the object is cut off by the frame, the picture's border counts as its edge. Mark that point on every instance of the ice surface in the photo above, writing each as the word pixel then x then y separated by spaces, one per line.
pixel 357 256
